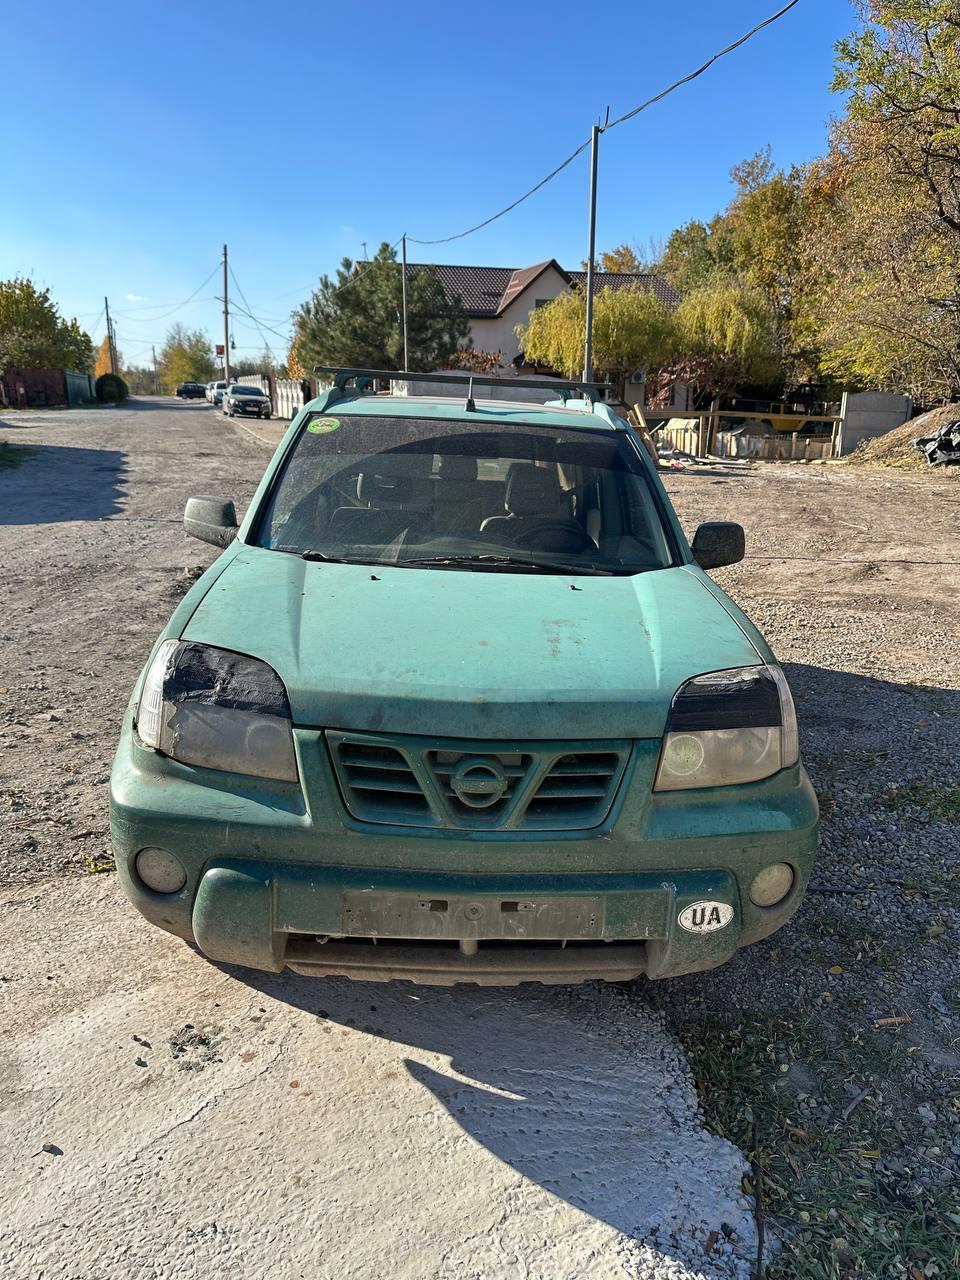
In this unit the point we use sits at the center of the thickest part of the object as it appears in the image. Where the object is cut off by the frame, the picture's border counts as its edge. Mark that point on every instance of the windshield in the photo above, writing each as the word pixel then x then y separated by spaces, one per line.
pixel 486 496
pixel 245 391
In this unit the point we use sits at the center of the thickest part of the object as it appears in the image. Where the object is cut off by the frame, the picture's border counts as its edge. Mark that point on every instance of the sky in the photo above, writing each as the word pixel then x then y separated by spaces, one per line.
pixel 138 139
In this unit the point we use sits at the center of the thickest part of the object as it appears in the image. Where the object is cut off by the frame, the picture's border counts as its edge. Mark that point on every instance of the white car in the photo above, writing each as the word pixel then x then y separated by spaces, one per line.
pixel 216 392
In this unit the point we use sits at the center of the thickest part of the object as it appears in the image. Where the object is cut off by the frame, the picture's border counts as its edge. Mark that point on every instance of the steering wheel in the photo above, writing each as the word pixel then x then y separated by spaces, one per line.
pixel 570 536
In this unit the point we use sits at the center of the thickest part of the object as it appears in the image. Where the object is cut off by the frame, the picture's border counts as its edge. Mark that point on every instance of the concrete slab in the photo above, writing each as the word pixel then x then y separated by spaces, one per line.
pixel 202 1122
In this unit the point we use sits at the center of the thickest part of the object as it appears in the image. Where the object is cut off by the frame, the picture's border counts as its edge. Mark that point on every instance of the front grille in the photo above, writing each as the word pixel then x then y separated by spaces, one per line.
pixel 470 786
pixel 574 788
pixel 381 784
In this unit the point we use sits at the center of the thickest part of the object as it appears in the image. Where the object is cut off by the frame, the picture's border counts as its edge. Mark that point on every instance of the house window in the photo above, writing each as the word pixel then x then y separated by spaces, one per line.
pixel 541 302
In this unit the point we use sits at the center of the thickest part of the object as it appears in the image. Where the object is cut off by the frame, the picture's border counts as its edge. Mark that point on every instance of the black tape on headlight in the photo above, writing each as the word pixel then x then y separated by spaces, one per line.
pixel 217 709
pixel 728 727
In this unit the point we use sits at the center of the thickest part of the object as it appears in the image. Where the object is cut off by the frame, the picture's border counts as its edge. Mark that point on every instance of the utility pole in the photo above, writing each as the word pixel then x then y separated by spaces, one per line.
pixel 403 290
pixel 156 375
pixel 110 343
pixel 226 321
pixel 588 342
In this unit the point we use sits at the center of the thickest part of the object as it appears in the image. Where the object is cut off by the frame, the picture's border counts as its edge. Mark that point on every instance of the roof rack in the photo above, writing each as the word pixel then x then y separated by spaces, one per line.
pixel 564 388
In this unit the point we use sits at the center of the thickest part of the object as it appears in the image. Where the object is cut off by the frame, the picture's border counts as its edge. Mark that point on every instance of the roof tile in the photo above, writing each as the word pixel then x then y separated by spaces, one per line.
pixel 488 291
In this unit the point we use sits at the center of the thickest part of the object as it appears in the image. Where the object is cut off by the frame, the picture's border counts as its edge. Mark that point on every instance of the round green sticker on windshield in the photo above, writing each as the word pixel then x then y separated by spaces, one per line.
pixel 320 426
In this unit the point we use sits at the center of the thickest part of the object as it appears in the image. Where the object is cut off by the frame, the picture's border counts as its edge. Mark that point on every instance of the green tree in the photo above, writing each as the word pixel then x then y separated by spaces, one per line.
pixel 696 253
pixel 631 329
pixel 140 380
pixel 355 320
pixel 186 356
pixel 34 334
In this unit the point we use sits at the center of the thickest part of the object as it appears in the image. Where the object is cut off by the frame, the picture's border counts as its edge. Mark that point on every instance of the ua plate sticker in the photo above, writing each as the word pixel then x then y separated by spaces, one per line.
pixel 705 917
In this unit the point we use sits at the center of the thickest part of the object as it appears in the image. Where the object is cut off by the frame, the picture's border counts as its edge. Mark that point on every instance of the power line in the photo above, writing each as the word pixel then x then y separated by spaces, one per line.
pixel 174 309
pixel 526 196
pixel 210 297
pixel 628 115
pixel 246 312
pixel 266 344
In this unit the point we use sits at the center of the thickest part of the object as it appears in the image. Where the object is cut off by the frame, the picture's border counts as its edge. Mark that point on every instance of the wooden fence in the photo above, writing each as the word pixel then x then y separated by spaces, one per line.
pixel 702 434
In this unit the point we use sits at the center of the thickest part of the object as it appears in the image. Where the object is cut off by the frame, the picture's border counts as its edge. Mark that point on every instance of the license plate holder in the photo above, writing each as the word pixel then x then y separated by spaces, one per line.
pixel 374 914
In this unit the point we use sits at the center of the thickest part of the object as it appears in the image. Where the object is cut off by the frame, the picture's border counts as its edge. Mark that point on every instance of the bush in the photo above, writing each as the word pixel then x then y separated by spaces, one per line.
pixel 111 388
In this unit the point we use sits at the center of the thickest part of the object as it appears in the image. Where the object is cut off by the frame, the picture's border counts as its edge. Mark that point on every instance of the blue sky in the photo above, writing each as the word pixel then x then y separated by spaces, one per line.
pixel 138 138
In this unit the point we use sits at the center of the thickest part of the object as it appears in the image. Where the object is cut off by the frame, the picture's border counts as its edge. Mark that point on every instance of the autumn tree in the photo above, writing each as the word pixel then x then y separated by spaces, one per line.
pixel 723 338
pixel 355 320
pixel 103 364
pixel 186 356
pixel 34 334
pixel 631 330
pixel 883 232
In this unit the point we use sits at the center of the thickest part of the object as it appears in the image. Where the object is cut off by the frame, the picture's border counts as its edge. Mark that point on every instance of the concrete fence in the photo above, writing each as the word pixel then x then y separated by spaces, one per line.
pixel 866 414
pixel 287 395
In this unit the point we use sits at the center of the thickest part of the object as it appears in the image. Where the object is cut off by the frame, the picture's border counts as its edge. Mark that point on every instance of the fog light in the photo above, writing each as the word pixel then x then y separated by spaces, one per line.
pixel 160 870
pixel 771 885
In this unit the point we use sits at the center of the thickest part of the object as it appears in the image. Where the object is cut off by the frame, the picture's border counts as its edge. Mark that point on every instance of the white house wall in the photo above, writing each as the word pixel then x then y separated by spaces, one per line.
pixel 497 333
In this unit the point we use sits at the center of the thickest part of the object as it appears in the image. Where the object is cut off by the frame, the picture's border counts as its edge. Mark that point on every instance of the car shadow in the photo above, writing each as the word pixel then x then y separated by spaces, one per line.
pixel 48 484
pixel 581 1091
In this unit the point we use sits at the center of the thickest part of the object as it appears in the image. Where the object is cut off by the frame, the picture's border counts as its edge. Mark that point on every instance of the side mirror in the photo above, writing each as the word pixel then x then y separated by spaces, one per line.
pixel 211 520
pixel 718 542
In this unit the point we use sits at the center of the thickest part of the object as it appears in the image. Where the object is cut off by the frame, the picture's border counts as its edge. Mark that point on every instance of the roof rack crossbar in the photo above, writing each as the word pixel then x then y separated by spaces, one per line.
pixel 563 387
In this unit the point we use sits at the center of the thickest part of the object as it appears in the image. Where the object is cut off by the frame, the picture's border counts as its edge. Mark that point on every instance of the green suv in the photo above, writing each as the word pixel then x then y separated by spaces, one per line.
pixel 458 702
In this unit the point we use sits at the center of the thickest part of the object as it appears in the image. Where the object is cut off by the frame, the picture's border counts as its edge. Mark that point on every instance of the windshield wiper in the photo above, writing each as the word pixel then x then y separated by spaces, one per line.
pixel 325 559
pixel 493 561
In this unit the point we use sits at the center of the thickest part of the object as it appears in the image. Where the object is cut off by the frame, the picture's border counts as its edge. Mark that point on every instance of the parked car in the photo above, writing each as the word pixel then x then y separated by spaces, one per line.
pixel 190 391
pixel 459 702
pixel 250 401
pixel 217 393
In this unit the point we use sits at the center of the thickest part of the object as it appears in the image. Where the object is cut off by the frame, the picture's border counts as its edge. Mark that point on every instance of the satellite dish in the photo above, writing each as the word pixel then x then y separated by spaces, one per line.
pixel 638 376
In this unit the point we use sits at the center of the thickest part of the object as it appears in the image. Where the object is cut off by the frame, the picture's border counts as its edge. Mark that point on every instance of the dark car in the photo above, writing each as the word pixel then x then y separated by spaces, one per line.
pixel 250 401
pixel 191 391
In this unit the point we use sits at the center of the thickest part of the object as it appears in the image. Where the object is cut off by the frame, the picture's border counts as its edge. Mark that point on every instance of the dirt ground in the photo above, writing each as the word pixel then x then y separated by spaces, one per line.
pixel 829 1054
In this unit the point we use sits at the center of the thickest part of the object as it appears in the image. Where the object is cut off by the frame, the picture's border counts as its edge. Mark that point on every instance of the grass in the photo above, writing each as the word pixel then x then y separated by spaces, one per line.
pixel 940 802
pixel 838 1216
pixel 11 455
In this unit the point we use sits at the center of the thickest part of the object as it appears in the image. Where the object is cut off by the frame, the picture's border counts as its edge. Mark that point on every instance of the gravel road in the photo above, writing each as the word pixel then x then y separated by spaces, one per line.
pixel 161 1117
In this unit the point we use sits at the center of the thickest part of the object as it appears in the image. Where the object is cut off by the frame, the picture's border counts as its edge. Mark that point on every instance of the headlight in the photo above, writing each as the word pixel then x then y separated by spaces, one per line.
pixel 217 709
pixel 729 727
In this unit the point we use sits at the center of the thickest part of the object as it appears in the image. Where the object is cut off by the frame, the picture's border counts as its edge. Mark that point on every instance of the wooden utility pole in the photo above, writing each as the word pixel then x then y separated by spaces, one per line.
pixel 156 375
pixel 110 343
pixel 226 321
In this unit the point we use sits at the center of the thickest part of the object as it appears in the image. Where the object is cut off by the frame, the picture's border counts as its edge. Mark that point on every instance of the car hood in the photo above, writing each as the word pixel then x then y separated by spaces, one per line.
pixel 471 655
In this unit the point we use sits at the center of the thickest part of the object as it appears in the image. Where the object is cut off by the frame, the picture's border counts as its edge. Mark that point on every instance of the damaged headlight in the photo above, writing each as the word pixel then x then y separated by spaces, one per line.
pixel 729 727
pixel 217 709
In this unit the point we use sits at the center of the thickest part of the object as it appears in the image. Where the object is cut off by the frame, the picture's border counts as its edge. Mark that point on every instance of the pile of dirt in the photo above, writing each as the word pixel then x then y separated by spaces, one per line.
pixel 896 447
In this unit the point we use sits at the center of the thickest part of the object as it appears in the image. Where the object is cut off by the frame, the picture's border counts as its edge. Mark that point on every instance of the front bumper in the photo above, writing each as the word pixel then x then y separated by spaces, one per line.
pixel 279 875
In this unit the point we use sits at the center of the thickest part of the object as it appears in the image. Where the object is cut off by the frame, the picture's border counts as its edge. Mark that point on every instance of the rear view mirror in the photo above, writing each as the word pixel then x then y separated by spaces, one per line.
pixel 718 542
pixel 211 520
